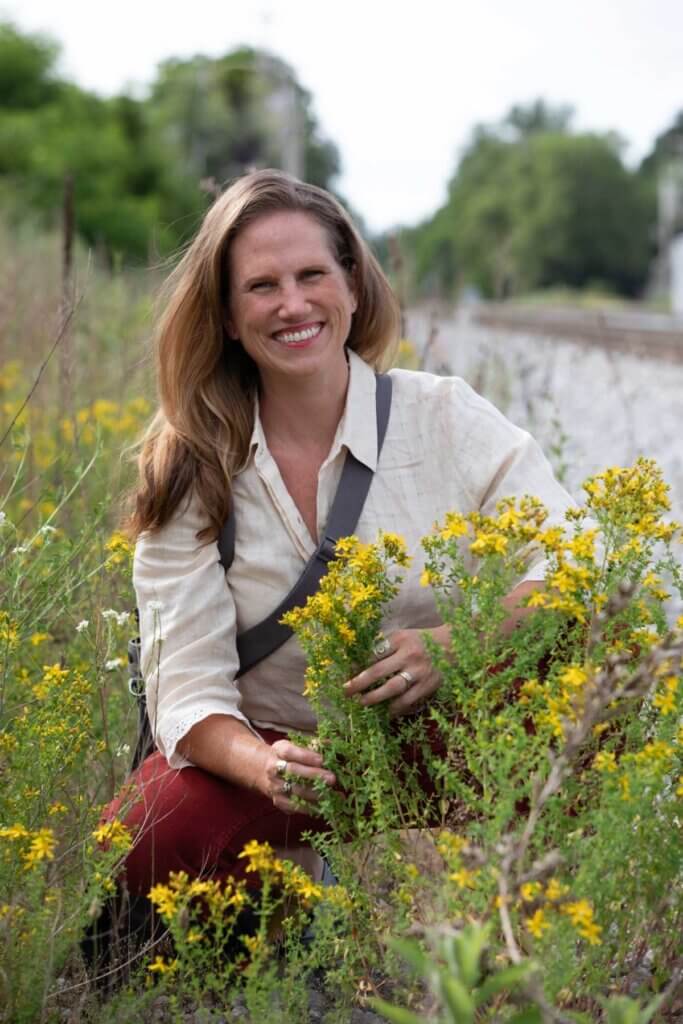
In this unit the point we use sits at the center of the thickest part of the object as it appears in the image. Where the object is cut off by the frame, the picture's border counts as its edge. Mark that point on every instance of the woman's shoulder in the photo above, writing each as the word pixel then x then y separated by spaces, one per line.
pixel 451 398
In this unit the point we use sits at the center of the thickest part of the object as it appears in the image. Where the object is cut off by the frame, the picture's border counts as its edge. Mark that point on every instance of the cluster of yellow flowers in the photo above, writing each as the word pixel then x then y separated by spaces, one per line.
pixel 122 420
pixel 516 524
pixel 340 622
pixel 113 835
pixel 35 846
pixel 635 498
pixel 120 550
pixel 220 899
pixel 293 880
pixel 551 900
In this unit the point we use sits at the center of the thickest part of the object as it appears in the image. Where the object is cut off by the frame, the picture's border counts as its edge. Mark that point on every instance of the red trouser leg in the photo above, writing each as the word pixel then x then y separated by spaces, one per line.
pixel 189 820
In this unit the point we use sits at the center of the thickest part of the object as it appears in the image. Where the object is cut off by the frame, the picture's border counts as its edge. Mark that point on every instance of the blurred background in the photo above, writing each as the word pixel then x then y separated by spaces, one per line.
pixel 517 169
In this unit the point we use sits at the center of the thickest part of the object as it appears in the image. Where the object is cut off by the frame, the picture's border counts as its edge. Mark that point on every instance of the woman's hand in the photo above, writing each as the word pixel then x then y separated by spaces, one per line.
pixel 406 668
pixel 288 769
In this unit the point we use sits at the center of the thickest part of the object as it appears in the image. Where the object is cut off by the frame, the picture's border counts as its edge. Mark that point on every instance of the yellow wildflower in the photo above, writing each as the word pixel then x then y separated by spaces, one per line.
pixel 455 525
pixel 14 832
pixel 555 890
pixel 529 891
pixel 464 878
pixel 395 547
pixel 666 700
pixel 114 835
pixel 39 638
pixel 347 634
pixel 605 761
pixel 161 966
pixel 42 848
pixel 165 899
pixel 489 543
pixel 580 913
pixel 537 924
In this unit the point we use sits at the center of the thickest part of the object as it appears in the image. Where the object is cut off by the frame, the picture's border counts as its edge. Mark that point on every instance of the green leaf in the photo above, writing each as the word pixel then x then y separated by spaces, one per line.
pixel 622 1010
pixel 396 1014
pixel 457 999
pixel 507 978
pixel 413 955
pixel 468 948
pixel 529 1015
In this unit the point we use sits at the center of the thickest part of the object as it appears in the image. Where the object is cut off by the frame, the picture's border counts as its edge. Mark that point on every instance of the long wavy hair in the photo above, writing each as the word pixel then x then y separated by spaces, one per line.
pixel 199 437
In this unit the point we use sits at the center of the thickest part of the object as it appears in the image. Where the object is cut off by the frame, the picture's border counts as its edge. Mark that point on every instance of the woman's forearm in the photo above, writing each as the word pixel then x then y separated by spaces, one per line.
pixel 224 746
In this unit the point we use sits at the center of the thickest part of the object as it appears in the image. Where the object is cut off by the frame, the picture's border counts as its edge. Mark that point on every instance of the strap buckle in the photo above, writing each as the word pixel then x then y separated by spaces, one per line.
pixel 136 682
pixel 327 549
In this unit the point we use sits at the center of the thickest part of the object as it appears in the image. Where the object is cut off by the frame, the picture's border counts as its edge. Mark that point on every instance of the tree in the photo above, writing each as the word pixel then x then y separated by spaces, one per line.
pixel 138 165
pixel 532 205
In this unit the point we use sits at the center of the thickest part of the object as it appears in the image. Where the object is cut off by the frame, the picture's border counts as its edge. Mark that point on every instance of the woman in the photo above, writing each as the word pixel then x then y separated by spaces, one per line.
pixel 276 319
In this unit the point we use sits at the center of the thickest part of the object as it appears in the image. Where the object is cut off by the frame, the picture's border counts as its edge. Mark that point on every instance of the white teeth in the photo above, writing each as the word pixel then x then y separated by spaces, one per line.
pixel 293 336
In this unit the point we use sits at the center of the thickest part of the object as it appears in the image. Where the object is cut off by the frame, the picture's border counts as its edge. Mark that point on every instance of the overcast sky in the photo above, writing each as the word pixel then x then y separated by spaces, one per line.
pixel 398 86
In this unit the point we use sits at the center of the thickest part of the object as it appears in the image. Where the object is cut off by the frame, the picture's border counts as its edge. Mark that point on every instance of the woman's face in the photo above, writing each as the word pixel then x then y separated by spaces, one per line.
pixel 291 303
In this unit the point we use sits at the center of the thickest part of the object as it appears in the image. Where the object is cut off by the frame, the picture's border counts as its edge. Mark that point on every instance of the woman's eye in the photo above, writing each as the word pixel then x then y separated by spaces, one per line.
pixel 261 286
pixel 311 275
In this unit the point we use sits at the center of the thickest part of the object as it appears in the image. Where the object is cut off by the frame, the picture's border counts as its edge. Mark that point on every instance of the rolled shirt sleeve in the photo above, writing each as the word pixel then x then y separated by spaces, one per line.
pixel 187 629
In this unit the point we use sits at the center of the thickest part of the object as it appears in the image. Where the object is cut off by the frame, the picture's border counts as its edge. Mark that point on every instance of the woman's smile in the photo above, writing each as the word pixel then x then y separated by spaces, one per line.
pixel 300 336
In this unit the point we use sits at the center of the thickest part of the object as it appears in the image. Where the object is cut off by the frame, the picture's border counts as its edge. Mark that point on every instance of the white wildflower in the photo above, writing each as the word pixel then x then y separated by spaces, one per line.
pixel 121 618
pixel 21 549
pixel 3 518
pixel 123 750
pixel 113 664
pixel 155 606
pixel 46 529
pixel 82 625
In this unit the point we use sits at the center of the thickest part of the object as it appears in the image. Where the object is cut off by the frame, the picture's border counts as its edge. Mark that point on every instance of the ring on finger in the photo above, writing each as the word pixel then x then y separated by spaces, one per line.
pixel 381 647
pixel 405 674
pixel 281 767
pixel 287 787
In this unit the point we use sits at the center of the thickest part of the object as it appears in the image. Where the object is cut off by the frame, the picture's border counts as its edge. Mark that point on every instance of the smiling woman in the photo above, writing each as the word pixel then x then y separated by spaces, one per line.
pixel 291 303
pixel 274 327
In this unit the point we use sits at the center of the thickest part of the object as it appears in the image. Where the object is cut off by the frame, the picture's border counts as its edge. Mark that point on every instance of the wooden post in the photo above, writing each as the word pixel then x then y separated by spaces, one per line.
pixel 66 395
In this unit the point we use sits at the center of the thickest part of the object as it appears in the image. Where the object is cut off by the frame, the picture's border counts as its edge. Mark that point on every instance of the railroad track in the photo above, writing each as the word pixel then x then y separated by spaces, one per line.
pixel 653 336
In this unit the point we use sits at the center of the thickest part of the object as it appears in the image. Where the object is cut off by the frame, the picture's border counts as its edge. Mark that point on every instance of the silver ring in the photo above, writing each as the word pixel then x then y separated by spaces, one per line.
pixel 407 676
pixel 280 768
pixel 381 647
pixel 287 787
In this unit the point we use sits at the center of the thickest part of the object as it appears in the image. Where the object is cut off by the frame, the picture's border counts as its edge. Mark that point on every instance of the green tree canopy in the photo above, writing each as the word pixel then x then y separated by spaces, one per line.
pixel 138 165
pixel 531 205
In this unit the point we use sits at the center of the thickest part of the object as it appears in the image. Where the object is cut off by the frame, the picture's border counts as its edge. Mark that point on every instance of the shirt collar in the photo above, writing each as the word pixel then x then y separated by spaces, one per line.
pixel 357 428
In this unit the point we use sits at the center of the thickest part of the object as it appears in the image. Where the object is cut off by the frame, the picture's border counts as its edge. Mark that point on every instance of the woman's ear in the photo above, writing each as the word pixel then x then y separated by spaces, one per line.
pixel 229 328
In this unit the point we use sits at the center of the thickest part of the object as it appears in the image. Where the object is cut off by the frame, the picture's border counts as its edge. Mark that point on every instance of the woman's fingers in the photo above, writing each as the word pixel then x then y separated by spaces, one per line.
pixel 396 686
pixel 372 675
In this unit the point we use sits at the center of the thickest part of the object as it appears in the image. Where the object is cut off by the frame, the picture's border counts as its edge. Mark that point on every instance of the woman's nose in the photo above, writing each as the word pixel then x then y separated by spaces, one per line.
pixel 293 301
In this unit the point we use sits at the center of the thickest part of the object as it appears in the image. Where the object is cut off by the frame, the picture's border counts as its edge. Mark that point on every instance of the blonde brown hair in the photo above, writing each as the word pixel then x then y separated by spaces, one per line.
pixel 207 383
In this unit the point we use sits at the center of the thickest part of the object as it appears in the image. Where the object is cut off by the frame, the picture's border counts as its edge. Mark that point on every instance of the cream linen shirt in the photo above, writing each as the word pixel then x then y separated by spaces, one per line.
pixel 446 448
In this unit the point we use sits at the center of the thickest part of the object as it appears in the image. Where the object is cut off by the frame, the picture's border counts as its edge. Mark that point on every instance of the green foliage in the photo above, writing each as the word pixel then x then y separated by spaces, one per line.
pixel 27 69
pixel 553 753
pixel 138 165
pixel 533 206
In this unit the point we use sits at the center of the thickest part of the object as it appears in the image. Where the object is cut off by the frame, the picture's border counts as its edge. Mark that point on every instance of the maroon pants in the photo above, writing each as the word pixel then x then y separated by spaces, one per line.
pixel 189 820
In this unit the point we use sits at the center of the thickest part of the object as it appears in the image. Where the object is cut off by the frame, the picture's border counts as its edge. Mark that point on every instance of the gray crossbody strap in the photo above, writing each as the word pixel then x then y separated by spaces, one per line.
pixel 257 643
